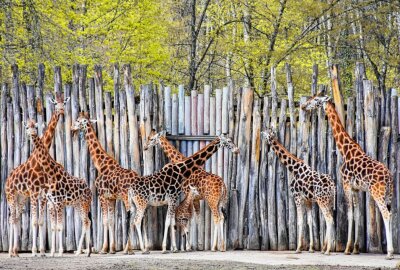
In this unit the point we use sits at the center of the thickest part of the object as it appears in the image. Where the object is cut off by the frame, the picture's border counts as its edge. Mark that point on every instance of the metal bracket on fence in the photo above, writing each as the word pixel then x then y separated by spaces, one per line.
pixel 191 137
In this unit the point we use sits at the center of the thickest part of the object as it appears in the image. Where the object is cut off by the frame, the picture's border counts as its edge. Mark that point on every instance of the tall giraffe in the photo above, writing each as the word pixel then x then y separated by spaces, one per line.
pixel 112 182
pixel 183 215
pixel 359 172
pixel 29 181
pixel 210 187
pixel 64 189
pixel 164 187
pixel 307 186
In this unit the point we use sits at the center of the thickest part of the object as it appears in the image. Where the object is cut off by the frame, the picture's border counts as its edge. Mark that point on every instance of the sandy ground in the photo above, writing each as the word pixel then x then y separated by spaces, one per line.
pixel 203 260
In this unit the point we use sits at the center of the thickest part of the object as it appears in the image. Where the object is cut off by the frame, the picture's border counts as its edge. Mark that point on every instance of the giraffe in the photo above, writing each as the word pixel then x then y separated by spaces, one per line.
pixel 359 172
pixel 112 182
pixel 210 187
pixel 28 181
pixel 307 186
pixel 64 189
pixel 164 187
pixel 183 215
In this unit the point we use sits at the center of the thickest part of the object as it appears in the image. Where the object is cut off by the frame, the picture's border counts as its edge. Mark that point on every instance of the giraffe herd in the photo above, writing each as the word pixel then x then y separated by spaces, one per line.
pixel 46 182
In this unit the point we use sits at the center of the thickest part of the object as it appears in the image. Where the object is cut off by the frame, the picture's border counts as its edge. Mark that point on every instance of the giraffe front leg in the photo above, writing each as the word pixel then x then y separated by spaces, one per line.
pixel 34 225
pixel 387 219
pixel 300 220
pixel 349 199
pixel 104 211
pixel 173 234
pixel 187 237
pixel 166 227
pixel 111 225
pixel 60 227
pixel 13 218
pixel 356 205
pixel 328 215
pixel 53 224
pixel 309 222
pixel 42 208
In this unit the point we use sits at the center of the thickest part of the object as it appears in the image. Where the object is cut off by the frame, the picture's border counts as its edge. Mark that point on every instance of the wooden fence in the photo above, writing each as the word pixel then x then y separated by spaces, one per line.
pixel 260 211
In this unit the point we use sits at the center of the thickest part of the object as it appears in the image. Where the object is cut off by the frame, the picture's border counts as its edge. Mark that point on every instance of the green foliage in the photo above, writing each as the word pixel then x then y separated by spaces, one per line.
pixel 239 39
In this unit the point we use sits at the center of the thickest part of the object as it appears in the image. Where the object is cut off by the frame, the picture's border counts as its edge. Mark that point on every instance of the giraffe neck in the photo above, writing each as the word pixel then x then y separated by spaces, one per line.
pixel 198 159
pixel 99 155
pixel 285 157
pixel 187 201
pixel 49 133
pixel 342 138
pixel 49 166
pixel 172 153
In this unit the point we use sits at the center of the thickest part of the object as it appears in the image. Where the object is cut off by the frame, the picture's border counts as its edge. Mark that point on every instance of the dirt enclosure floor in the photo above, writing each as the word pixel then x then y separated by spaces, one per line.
pixel 203 260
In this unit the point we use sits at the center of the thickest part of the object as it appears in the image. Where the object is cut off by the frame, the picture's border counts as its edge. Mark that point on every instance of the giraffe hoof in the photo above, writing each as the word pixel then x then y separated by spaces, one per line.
pixel 165 252
pixel 327 253
pixel 298 251
pixel 347 252
pixel 311 251
pixel 112 251
pixel 389 256
pixel 146 252
pixel 42 255
pixel 102 252
pixel 356 252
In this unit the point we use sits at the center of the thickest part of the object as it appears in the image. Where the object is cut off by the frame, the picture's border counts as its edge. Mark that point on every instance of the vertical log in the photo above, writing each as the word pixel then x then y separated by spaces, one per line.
pixel 146 107
pixel 98 87
pixel 253 214
pixel 244 157
pixel 121 234
pixel 206 130
pixel 10 141
pixel 74 103
pixel 181 112
pixel 360 138
pixel 394 127
pixel 233 239
pixel 200 131
pixel 3 168
pixel 174 115
pixel 134 151
pixel 226 104
pixel 24 157
pixel 214 165
pixel 263 179
pixel 281 185
pixel 207 90
pixel 39 99
pixel 194 130
pixel 371 145
pixel 70 226
pixel 168 109
pixel 293 149
pixel 303 153
pixel 17 115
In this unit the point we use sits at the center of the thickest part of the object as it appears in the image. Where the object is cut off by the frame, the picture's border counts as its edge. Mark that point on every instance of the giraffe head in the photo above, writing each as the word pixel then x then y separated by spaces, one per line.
pixel 153 139
pixel 269 135
pixel 315 102
pixel 59 103
pixel 194 191
pixel 228 143
pixel 31 128
pixel 82 123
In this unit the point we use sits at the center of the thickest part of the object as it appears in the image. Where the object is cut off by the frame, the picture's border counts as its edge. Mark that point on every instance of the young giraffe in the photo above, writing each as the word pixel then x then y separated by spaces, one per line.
pixel 307 186
pixel 164 187
pixel 64 189
pixel 359 172
pixel 112 182
pixel 183 215
pixel 210 187
pixel 29 181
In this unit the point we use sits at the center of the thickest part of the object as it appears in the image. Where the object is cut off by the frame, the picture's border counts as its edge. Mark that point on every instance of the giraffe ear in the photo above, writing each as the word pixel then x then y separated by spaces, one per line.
pixel 52 100
pixel 163 133
pixel 66 100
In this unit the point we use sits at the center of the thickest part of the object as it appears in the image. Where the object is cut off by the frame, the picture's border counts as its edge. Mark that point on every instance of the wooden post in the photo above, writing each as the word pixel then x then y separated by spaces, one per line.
pixel 168 109
pixel 394 125
pixel 39 99
pixel 194 130
pixel 281 185
pixel 243 164
pixel 3 168
pixel 10 141
pixel 373 243
pixel 200 131
pixel 253 214
pixel 206 130
pixel 263 178
pixel 292 227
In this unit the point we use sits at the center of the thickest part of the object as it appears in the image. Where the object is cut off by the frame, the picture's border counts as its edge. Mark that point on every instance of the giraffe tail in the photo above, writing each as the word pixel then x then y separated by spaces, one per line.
pixel 389 192
pixel 223 201
pixel 334 197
